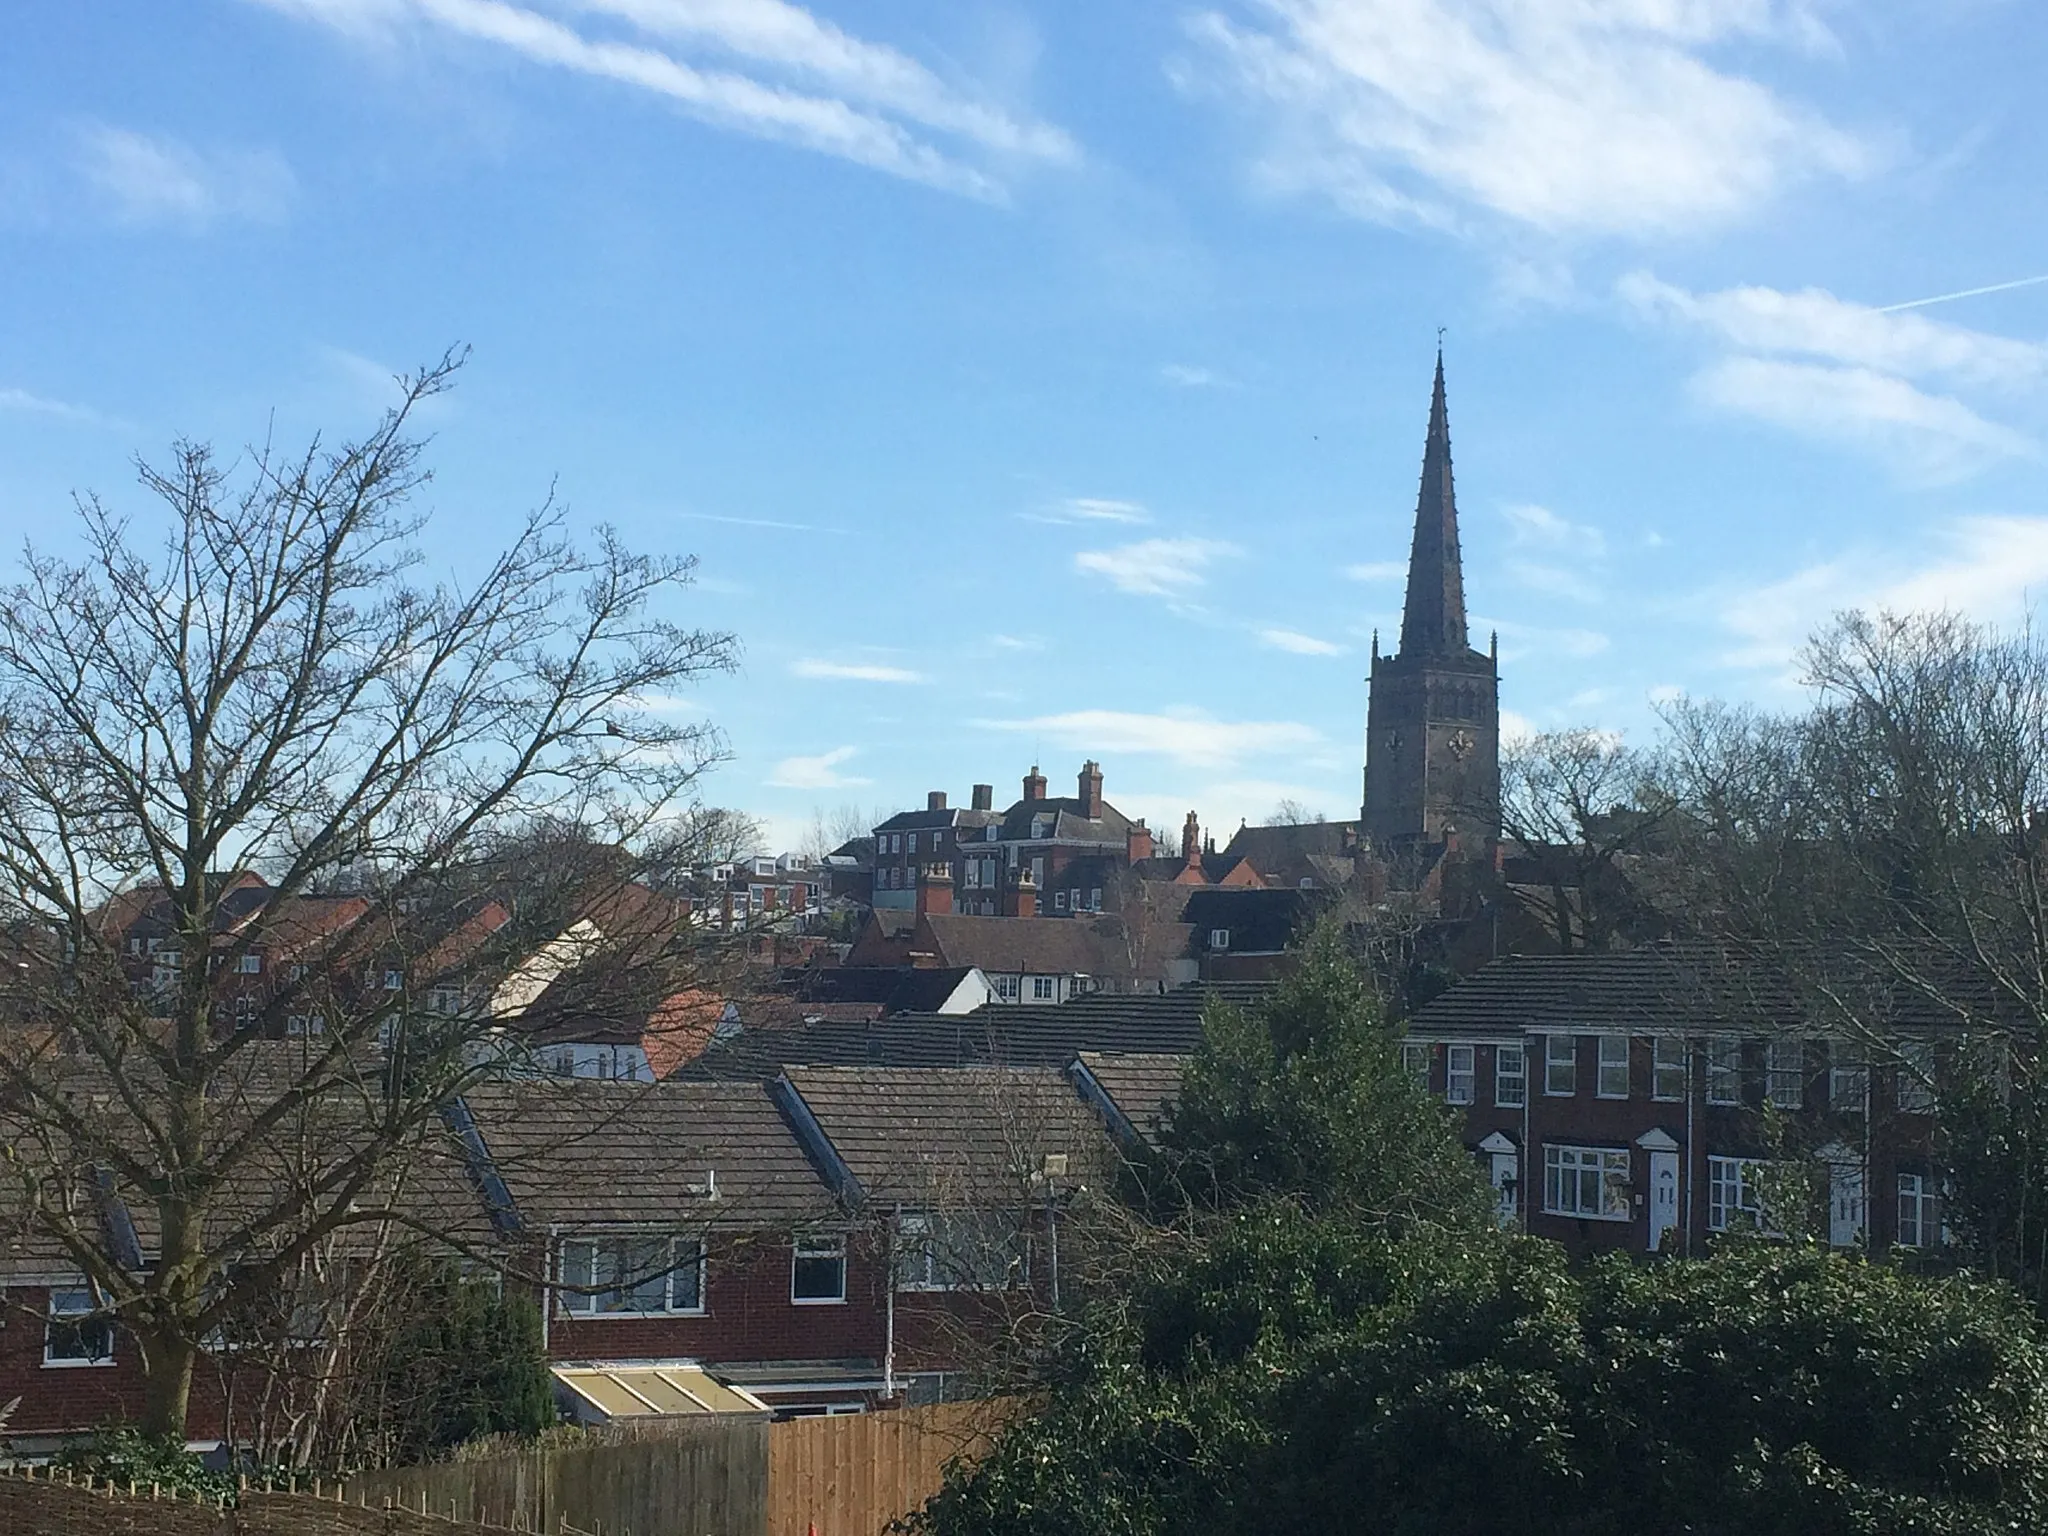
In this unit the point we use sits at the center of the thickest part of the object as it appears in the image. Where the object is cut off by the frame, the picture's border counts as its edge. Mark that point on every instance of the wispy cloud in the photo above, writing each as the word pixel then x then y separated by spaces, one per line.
pixel 1188 737
pixel 1873 379
pixel 1532 641
pixel 1188 377
pixel 1016 642
pixel 819 87
pixel 1989 568
pixel 157 180
pixel 1570 118
pixel 1079 511
pixel 1155 567
pixel 1298 643
pixel 820 772
pixel 854 672
pixel 755 522
pixel 42 405
pixel 1553 554
pixel 1544 529
pixel 1377 570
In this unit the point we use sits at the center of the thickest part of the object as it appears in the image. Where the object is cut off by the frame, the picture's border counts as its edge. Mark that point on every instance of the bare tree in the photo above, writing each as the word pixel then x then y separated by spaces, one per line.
pixel 1573 810
pixel 255 680
pixel 1292 813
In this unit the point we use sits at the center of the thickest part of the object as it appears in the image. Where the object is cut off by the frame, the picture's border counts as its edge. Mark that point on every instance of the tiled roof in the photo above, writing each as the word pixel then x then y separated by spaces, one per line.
pixel 952 1136
pixel 601 1152
pixel 1259 921
pixel 1032 945
pixel 1014 1034
pixel 1142 1085
pixel 1662 987
pixel 1068 822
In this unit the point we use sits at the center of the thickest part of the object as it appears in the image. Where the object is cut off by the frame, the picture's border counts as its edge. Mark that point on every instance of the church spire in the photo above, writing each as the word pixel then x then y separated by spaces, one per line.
pixel 1433 620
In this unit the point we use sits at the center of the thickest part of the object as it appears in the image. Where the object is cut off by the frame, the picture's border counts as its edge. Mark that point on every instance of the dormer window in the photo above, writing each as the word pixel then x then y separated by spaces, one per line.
pixel 1219 938
pixel 988 833
pixel 1037 829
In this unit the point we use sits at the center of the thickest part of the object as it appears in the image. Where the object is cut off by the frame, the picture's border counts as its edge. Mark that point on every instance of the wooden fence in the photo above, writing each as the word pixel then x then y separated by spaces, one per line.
pixel 847 1475
pixel 53 1506
pixel 850 1475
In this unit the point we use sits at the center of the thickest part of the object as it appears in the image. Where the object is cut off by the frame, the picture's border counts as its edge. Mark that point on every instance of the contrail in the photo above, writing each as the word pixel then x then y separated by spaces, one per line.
pixel 1967 293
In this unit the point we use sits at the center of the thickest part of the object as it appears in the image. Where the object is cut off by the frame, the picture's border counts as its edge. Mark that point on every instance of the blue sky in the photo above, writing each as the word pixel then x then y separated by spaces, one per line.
pixel 1050 381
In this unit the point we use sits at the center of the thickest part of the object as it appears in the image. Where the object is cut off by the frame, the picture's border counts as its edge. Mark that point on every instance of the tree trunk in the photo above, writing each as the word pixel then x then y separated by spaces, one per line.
pixel 167 1362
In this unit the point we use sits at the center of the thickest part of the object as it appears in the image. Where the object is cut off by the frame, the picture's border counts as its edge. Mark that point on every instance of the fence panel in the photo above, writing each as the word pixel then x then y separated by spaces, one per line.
pixel 850 1475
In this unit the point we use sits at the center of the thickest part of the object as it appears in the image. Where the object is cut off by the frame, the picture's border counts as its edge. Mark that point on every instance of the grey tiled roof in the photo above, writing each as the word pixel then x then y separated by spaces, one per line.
pixel 601 1152
pixel 1142 1085
pixel 956 1136
pixel 1033 945
pixel 1659 988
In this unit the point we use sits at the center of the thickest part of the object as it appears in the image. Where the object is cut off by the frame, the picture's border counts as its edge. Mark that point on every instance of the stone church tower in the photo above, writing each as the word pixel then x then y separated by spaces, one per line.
pixel 1432 719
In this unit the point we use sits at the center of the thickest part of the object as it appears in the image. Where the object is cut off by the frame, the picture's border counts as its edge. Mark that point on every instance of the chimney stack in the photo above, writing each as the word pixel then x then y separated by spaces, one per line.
pixel 935 800
pixel 984 797
pixel 1034 785
pixel 1091 790
pixel 1021 900
pixel 1138 842
pixel 1191 841
pixel 934 890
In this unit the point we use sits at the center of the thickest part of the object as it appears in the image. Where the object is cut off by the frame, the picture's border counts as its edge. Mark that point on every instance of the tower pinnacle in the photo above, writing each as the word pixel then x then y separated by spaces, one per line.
pixel 1433 618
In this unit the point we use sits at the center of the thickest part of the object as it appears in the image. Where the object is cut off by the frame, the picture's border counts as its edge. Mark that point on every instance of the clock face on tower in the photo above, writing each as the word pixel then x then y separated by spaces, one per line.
pixel 1460 744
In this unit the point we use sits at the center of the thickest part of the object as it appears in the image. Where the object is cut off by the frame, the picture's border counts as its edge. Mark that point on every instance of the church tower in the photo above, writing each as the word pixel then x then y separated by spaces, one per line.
pixel 1432 718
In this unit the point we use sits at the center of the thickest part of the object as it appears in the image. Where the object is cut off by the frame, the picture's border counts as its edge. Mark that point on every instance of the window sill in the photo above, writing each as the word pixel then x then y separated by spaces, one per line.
pixel 78 1365
pixel 1560 1093
pixel 1589 1216
pixel 1614 1098
pixel 817 1301
pixel 565 1315
pixel 1667 1098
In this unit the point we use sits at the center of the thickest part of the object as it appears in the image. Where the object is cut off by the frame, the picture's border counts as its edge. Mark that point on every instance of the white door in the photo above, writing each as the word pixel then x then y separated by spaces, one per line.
pixel 1506 1180
pixel 1845 1204
pixel 1663 1197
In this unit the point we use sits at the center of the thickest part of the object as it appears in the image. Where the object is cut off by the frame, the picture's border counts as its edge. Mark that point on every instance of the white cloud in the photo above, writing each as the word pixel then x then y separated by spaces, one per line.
pixel 820 772
pixel 854 672
pixel 825 90
pixel 42 405
pixel 1544 529
pixel 1299 644
pixel 1377 570
pixel 1090 509
pixel 152 179
pixel 1016 642
pixel 1155 567
pixel 1926 438
pixel 1515 727
pixel 1190 378
pixel 1522 641
pixel 1188 737
pixel 1814 323
pixel 1572 117
pixel 1988 568
pixel 1665 693
pixel 1851 374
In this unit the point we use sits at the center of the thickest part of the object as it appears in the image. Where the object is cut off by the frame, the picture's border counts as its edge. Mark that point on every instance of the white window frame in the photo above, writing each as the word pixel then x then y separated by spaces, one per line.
pixel 68 1307
pixel 1045 989
pixel 394 981
pixel 1566 1169
pixel 1095 898
pixel 1059 901
pixel 1510 1089
pixel 1785 1073
pixel 249 965
pixel 1607 1066
pixel 1921 1195
pixel 912 848
pixel 1461 1083
pixel 1724 1070
pixel 814 1250
pixel 1912 1090
pixel 1732 1191
pixel 1006 987
pixel 1566 1064
pixel 940 1250
pixel 1219 938
pixel 579 1298
pixel 1848 1077
pixel 1415 1062
pixel 1668 1055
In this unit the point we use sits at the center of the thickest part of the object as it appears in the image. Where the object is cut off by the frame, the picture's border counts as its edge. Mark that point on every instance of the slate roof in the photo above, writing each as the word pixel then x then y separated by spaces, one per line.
pixel 1142 1085
pixel 1032 945
pixel 1259 921
pixel 1013 1034
pixel 1068 822
pixel 1661 988
pixel 951 1137
pixel 594 1153
pixel 890 989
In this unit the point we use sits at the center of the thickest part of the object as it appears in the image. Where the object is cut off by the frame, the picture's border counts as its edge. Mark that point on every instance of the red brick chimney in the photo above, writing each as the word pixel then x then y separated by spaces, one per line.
pixel 1191 842
pixel 1138 842
pixel 934 890
pixel 1034 784
pixel 984 797
pixel 1020 896
pixel 935 800
pixel 1091 790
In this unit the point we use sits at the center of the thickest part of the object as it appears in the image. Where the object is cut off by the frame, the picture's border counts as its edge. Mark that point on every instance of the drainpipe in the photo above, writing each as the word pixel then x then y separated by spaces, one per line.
pixel 547 1290
pixel 1526 1172
pixel 889 1306
pixel 1052 1246
pixel 1691 1149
